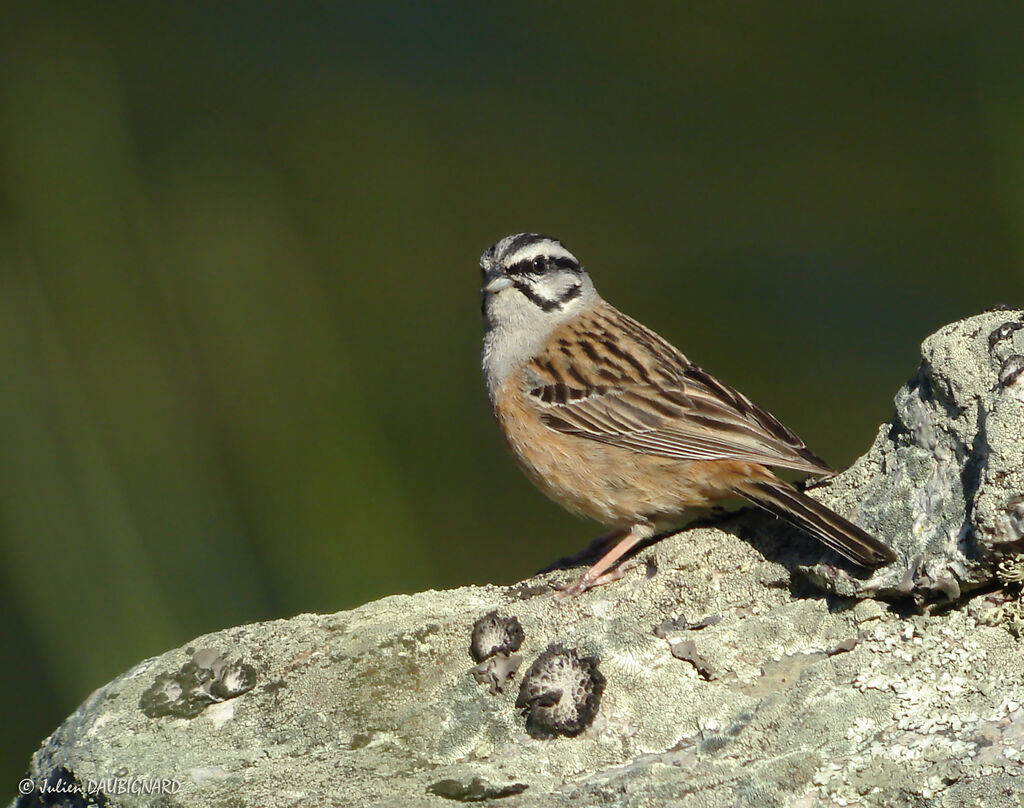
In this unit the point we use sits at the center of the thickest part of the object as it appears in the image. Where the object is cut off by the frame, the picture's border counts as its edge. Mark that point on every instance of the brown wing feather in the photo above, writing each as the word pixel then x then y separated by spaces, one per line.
pixel 608 378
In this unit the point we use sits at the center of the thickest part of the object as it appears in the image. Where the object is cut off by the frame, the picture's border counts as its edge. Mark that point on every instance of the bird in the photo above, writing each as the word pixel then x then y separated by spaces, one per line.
pixel 612 422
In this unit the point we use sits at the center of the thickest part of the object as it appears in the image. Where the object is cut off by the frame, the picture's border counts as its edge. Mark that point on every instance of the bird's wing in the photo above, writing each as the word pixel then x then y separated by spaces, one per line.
pixel 606 377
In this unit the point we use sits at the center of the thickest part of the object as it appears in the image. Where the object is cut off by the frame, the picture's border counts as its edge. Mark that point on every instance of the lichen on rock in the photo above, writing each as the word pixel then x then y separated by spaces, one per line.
pixel 204 679
pixel 560 693
pixel 891 689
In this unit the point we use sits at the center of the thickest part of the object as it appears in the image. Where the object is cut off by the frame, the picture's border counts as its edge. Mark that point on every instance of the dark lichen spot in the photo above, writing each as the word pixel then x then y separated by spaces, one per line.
pixel 527 591
pixel 206 678
pixel 741 723
pixel 686 650
pixel 181 694
pixel 713 743
pixel 1005 331
pixel 680 623
pixel 495 635
pixel 1011 370
pixel 561 693
pixel 477 790
pixel 493 641
pixel 234 680
pixel 843 647
pixel 274 687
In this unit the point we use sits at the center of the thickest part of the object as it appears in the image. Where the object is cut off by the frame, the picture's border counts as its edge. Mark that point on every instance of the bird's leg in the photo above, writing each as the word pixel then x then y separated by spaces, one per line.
pixel 599 573
pixel 596 549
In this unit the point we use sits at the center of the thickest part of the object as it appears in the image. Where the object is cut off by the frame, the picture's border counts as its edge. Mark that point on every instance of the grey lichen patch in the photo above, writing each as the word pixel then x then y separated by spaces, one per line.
pixel 939 671
pixel 1011 571
pixel 561 693
pixel 205 679
pixel 492 643
pixel 779 674
pixel 1009 611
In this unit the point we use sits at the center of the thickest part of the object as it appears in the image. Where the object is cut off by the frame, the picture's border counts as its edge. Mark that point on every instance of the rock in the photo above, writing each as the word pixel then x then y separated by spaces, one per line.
pixel 713 673
pixel 944 481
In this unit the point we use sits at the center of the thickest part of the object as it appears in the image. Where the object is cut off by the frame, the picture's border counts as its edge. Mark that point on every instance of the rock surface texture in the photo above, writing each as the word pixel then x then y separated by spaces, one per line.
pixel 723 669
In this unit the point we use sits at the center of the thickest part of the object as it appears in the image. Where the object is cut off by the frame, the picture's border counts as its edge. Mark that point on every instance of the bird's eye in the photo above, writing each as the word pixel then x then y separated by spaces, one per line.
pixel 540 263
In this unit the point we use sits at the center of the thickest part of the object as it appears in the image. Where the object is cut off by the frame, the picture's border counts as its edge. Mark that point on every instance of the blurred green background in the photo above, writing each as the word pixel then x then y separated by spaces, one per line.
pixel 239 324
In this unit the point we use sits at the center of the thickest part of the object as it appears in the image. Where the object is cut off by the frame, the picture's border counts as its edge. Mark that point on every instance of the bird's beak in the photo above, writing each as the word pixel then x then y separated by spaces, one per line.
pixel 495 282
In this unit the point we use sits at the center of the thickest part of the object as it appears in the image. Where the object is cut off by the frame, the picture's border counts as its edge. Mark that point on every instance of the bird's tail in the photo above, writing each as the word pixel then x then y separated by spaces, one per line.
pixel 783 500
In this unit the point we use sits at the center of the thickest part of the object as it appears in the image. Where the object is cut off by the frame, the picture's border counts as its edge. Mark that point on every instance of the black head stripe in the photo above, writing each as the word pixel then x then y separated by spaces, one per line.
pixel 540 264
pixel 522 268
pixel 544 303
pixel 571 293
pixel 523 239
